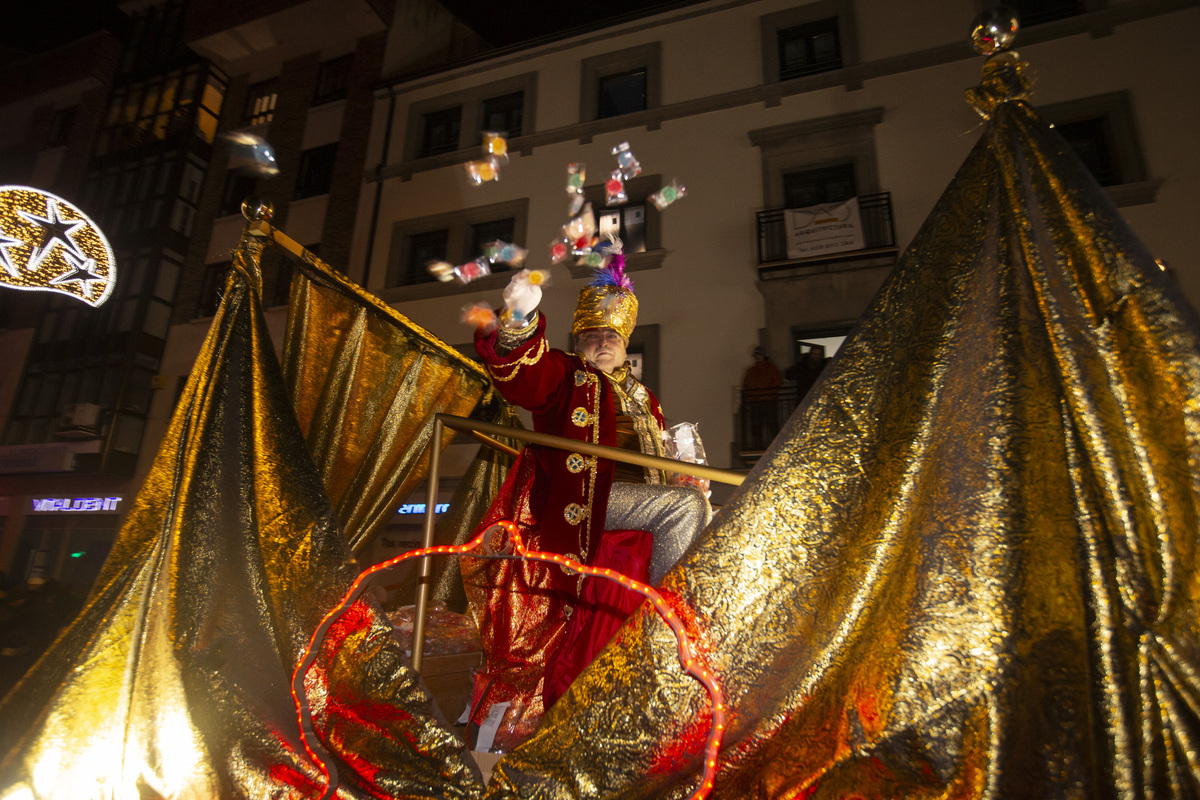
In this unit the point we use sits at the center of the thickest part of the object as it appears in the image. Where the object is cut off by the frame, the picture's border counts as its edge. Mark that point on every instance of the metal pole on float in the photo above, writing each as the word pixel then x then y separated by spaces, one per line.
pixel 425 568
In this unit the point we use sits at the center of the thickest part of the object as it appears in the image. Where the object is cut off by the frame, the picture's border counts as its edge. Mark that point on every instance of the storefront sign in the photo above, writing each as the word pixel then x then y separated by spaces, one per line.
pixel 75 505
pixel 821 230
pixel 419 508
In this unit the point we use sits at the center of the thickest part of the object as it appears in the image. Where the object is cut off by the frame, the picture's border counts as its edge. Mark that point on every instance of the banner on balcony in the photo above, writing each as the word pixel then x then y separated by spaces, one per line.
pixel 820 230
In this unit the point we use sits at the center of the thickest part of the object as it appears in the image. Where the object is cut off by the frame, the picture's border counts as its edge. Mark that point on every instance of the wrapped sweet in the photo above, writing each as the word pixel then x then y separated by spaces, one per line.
pixel 479 315
pixel 473 270
pixel 499 252
pixel 614 189
pixel 559 250
pixel 483 170
pixel 630 167
pixel 682 442
pixel 496 146
pixel 442 270
pixel 580 230
pixel 576 176
pixel 667 195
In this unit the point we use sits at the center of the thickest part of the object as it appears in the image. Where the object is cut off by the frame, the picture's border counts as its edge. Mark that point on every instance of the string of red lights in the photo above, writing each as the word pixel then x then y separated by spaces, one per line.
pixel 693 664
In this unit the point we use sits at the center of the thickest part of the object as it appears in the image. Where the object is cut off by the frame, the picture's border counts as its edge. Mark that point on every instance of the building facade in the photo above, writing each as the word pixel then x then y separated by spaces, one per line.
pixel 87 394
pixel 756 107
pixel 763 109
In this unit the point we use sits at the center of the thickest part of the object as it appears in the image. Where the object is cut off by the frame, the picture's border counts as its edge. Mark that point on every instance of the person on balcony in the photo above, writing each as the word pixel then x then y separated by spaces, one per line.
pixel 760 399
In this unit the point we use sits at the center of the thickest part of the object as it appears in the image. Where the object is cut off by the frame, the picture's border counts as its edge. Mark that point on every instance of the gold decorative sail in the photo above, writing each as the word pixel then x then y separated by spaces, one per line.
pixel 176 679
pixel 967 568
pixel 366 383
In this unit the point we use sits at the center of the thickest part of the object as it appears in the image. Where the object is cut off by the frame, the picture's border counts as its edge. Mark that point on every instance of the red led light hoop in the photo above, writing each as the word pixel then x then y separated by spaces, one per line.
pixel 688 657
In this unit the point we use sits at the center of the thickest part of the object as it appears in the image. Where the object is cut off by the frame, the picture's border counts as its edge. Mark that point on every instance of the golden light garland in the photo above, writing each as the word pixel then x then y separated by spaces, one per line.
pixel 49 245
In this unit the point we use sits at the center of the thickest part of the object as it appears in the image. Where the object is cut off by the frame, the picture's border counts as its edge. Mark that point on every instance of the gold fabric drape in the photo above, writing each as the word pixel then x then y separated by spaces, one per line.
pixel 967 566
pixel 175 680
pixel 366 382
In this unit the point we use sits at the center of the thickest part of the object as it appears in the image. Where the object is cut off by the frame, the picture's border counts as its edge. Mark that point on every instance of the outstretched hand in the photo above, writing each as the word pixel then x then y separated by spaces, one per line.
pixel 523 294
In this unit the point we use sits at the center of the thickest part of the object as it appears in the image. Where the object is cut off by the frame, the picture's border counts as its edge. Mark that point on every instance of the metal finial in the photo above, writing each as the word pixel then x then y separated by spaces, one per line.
pixel 255 208
pixel 995 30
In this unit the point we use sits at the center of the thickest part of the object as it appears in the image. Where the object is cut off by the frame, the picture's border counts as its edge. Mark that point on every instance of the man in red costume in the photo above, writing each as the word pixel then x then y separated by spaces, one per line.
pixel 563 500
pixel 590 395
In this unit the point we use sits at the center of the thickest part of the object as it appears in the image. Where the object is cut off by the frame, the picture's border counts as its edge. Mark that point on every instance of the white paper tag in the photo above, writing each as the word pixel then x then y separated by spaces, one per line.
pixel 465 717
pixel 488 728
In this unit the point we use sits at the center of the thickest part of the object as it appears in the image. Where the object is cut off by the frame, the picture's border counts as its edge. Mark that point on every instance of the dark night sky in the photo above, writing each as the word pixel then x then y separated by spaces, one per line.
pixel 506 23
pixel 32 26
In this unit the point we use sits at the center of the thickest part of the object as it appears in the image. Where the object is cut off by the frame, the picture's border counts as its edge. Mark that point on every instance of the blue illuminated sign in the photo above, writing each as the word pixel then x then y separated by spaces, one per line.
pixel 419 508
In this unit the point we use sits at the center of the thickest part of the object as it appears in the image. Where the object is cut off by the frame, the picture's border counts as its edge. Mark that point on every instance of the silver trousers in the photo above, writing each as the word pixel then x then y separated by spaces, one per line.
pixel 673 515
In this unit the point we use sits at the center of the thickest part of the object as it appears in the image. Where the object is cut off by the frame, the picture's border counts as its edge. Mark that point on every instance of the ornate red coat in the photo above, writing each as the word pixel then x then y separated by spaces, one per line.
pixel 568 491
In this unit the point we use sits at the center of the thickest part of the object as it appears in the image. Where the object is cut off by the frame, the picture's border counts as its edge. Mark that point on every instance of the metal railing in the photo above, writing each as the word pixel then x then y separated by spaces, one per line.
pixel 761 414
pixel 878 228
pixel 483 431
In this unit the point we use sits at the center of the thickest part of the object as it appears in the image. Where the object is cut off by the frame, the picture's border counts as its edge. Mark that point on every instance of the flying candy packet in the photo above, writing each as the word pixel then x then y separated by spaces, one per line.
pixel 496 146
pixel 559 249
pixel 580 230
pixel 576 175
pixel 251 154
pixel 667 195
pixel 630 167
pixel 483 170
pixel 463 273
pixel 479 315
pixel 505 253
pixel 614 189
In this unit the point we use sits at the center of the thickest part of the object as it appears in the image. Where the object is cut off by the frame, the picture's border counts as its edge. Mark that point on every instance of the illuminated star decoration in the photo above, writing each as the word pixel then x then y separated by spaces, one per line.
pixel 81 271
pixel 55 230
pixel 5 243
pixel 48 244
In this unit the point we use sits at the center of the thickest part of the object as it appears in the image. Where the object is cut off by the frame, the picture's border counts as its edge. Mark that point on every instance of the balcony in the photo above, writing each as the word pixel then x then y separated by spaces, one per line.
pixel 878 242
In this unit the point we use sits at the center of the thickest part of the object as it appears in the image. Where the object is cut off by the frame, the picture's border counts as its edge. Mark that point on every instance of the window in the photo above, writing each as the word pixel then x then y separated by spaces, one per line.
pixel 636 223
pixel 1035 12
pixel 442 125
pixel 1091 140
pixel 316 171
pixel 809 48
pixel 504 114
pixel 485 232
pixel 60 126
pixel 211 99
pixel 618 83
pixel 626 222
pixel 455 237
pixel 811 187
pixel 624 93
pixel 332 80
pixel 237 188
pixel 1101 132
pixel 812 38
pixel 441 131
pixel 260 103
pixel 213 288
pixel 423 248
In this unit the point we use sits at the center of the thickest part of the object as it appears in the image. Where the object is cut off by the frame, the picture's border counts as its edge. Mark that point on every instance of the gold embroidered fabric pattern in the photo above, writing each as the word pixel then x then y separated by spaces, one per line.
pixel 967 567
pixel 514 368
pixel 634 400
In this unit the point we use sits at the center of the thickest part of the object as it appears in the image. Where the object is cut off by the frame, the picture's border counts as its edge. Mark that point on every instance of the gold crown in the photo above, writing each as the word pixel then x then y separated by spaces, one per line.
pixel 606 307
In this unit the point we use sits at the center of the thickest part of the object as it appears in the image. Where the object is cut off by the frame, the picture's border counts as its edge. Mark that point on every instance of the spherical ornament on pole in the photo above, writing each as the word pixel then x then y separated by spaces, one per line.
pixel 995 30
pixel 256 208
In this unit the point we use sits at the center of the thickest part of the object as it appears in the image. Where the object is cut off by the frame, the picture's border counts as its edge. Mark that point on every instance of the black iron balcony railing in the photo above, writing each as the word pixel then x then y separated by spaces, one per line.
pixel 878 229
